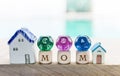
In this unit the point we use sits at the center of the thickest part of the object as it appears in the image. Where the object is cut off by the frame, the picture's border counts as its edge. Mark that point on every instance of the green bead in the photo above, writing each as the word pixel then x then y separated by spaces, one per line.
pixel 45 43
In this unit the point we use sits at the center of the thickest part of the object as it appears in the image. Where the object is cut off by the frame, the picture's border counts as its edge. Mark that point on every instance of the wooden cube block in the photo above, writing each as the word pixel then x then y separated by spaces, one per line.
pixel 45 57
pixel 64 57
pixel 82 57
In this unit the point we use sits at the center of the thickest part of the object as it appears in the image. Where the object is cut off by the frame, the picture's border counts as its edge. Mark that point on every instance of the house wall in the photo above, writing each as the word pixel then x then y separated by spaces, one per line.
pixel 18 57
pixel 95 53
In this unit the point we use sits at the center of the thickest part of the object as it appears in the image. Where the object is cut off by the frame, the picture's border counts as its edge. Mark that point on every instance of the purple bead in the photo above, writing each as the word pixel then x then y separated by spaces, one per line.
pixel 64 43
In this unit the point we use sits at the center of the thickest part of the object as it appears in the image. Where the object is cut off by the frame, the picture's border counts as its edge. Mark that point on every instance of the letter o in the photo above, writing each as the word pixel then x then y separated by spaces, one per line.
pixel 64 57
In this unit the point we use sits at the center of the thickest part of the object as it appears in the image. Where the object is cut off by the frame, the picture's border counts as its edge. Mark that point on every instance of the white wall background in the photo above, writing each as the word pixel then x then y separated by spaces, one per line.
pixel 106 15
pixel 42 16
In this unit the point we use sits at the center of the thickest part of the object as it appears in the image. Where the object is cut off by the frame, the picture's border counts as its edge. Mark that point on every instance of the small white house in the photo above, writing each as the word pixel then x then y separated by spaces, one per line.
pixel 98 54
pixel 21 47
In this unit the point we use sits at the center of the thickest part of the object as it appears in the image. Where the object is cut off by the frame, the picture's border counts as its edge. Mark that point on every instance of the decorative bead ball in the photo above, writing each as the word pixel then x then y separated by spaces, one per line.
pixel 64 43
pixel 45 43
pixel 82 43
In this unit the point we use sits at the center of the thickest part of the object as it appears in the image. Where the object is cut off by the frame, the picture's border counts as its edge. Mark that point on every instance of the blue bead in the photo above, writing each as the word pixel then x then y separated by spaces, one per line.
pixel 82 43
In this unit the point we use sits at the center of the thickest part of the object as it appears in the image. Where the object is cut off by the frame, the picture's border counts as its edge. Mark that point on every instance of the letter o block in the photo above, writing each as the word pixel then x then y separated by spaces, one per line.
pixel 64 57
pixel 45 57
pixel 82 57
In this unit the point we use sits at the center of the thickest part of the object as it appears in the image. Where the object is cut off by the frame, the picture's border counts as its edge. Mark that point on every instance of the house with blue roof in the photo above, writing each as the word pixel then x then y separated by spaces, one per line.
pixel 21 47
pixel 98 54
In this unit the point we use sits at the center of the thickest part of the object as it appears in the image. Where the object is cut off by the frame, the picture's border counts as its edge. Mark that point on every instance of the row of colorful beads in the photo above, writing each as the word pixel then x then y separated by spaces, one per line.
pixel 64 43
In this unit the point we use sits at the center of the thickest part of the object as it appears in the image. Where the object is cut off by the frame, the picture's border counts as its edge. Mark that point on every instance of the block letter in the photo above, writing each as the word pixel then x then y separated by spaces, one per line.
pixel 64 57
pixel 45 57
pixel 82 57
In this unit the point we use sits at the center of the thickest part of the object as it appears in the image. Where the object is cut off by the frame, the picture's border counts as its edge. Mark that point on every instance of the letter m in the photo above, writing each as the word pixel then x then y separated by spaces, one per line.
pixel 45 58
pixel 82 58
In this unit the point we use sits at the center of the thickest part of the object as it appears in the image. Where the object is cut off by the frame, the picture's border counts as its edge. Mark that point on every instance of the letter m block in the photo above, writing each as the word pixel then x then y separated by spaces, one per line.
pixel 45 57
pixel 82 57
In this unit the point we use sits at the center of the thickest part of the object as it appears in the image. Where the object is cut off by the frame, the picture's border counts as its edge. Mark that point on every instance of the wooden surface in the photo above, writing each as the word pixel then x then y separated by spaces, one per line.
pixel 60 70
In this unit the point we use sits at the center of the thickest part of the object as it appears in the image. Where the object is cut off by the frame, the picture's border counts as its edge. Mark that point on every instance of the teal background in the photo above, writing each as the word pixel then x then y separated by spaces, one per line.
pixel 79 27
pixel 78 5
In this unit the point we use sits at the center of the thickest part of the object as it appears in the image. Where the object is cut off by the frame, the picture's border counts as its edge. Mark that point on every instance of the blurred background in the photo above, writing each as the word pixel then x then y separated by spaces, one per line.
pixel 99 19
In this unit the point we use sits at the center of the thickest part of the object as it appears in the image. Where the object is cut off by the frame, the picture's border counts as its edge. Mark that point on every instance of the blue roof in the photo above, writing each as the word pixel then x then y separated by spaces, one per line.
pixel 26 33
pixel 97 45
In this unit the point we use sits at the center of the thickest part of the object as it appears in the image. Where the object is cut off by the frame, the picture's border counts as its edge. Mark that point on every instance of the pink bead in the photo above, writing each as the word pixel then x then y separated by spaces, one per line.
pixel 64 43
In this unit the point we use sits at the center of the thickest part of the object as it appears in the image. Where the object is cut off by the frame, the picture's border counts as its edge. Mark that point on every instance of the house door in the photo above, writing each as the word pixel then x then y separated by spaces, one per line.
pixel 27 59
pixel 99 59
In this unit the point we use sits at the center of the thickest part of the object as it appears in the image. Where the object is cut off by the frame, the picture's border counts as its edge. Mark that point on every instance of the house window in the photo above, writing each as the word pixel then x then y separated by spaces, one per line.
pixel 98 51
pixel 15 49
pixel 20 40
